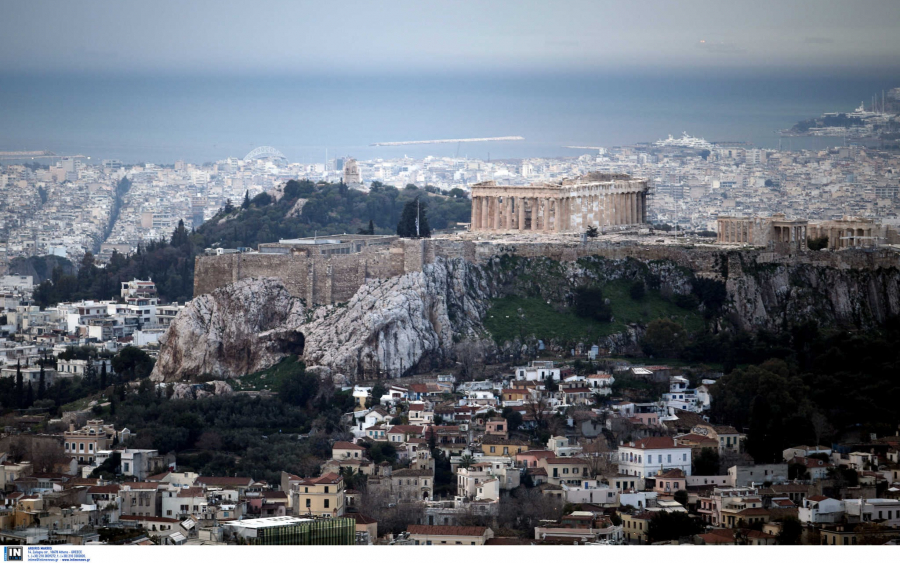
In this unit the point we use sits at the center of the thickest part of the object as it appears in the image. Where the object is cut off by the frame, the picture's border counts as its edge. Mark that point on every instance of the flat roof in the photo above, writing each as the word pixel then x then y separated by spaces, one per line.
pixel 257 523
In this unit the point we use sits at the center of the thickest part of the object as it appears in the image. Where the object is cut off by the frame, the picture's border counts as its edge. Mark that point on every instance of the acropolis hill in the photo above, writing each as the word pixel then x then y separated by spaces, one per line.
pixel 374 306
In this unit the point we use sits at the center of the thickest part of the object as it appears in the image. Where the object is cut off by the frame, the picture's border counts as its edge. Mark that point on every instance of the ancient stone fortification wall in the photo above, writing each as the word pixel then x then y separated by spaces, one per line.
pixel 334 279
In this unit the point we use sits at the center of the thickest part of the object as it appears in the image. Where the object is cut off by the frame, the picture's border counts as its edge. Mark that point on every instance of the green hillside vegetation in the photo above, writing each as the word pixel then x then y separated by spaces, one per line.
pixel 514 317
pixel 270 378
pixel 328 209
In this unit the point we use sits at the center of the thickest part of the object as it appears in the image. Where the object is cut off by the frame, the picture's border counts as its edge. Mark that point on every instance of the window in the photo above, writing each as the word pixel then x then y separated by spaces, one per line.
pixel 326 489
pixel 670 458
pixel 81 447
pixel 492 449
pixel 326 503
pixel 308 503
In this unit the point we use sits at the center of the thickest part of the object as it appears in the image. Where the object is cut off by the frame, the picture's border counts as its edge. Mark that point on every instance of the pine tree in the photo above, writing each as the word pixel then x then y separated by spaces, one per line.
pixel 246 204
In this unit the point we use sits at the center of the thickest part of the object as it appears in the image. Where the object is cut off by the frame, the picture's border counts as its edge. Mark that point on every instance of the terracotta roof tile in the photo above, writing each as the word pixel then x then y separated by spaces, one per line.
pixel 425 530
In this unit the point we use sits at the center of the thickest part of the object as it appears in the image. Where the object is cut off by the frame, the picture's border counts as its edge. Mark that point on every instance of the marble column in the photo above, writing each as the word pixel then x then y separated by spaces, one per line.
pixel 484 214
pixel 520 209
pixel 474 221
pixel 582 201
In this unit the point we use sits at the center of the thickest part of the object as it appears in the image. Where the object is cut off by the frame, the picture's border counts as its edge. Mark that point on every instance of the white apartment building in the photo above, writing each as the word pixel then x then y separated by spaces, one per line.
pixel 680 397
pixel 591 491
pixel 469 479
pixel 882 510
pixel 645 457
pixel 537 370
pixel 817 510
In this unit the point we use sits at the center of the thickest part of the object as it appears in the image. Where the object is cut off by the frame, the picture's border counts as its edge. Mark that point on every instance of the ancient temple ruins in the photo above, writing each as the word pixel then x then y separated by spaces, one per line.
pixel 596 199
pixel 791 235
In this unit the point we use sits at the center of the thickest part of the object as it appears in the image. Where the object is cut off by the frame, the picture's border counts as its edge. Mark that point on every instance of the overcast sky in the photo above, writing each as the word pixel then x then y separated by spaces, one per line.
pixel 225 36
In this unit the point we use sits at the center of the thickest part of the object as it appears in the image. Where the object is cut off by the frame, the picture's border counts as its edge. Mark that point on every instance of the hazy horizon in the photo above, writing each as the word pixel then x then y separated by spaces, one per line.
pixel 413 36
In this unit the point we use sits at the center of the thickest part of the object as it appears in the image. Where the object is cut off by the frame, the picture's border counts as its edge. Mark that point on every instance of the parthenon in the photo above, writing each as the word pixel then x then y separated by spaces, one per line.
pixel 599 200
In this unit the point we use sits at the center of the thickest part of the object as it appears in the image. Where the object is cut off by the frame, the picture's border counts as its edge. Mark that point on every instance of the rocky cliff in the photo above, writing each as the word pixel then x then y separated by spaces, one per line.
pixel 414 321
pixel 776 295
pixel 238 329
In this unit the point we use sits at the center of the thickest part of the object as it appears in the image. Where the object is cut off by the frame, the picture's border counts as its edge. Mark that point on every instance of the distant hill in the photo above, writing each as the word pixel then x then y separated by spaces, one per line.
pixel 304 209
pixel 307 208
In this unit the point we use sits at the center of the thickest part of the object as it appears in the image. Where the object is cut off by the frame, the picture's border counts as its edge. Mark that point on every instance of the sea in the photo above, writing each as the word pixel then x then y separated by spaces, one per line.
pixel 157 118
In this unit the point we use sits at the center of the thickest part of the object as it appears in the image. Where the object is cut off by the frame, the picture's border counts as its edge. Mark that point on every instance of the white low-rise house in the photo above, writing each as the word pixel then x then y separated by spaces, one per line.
pixel 804 451
pixel 361 395
pixel 882 510
pixel 680 397
pixel 750 475
pixel 394 395
pixel 819 509
pixel 480 398
pixel 643 458
pixel 638 499
pixel 538 370
pixel 72 368
pixel 703 395
pixel 468 479
pixel 600 383
pixel 421 413
pixel 560 446
pixel 591 491
pixel 30 375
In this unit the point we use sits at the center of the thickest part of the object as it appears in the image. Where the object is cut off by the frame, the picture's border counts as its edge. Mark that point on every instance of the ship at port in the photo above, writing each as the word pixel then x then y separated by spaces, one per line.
pixel 685 141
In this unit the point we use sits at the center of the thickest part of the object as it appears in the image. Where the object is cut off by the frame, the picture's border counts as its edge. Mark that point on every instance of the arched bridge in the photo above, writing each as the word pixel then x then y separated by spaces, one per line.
pixel 263 152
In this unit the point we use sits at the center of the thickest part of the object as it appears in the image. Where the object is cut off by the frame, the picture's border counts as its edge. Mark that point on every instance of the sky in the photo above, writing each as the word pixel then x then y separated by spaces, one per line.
pixel 347 37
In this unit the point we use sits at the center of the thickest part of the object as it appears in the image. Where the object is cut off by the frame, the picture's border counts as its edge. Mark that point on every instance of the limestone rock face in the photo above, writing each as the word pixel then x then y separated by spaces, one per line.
pixel 776 295
pixel 237 329
pixel 414 321
pixel 391 326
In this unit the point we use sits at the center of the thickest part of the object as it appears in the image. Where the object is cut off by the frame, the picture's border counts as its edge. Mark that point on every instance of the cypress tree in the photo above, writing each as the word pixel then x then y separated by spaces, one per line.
pixel 407 225
pixel 20 397
pixel 29 396
pixel 246 204
pixel 103 375
pixel 42 384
